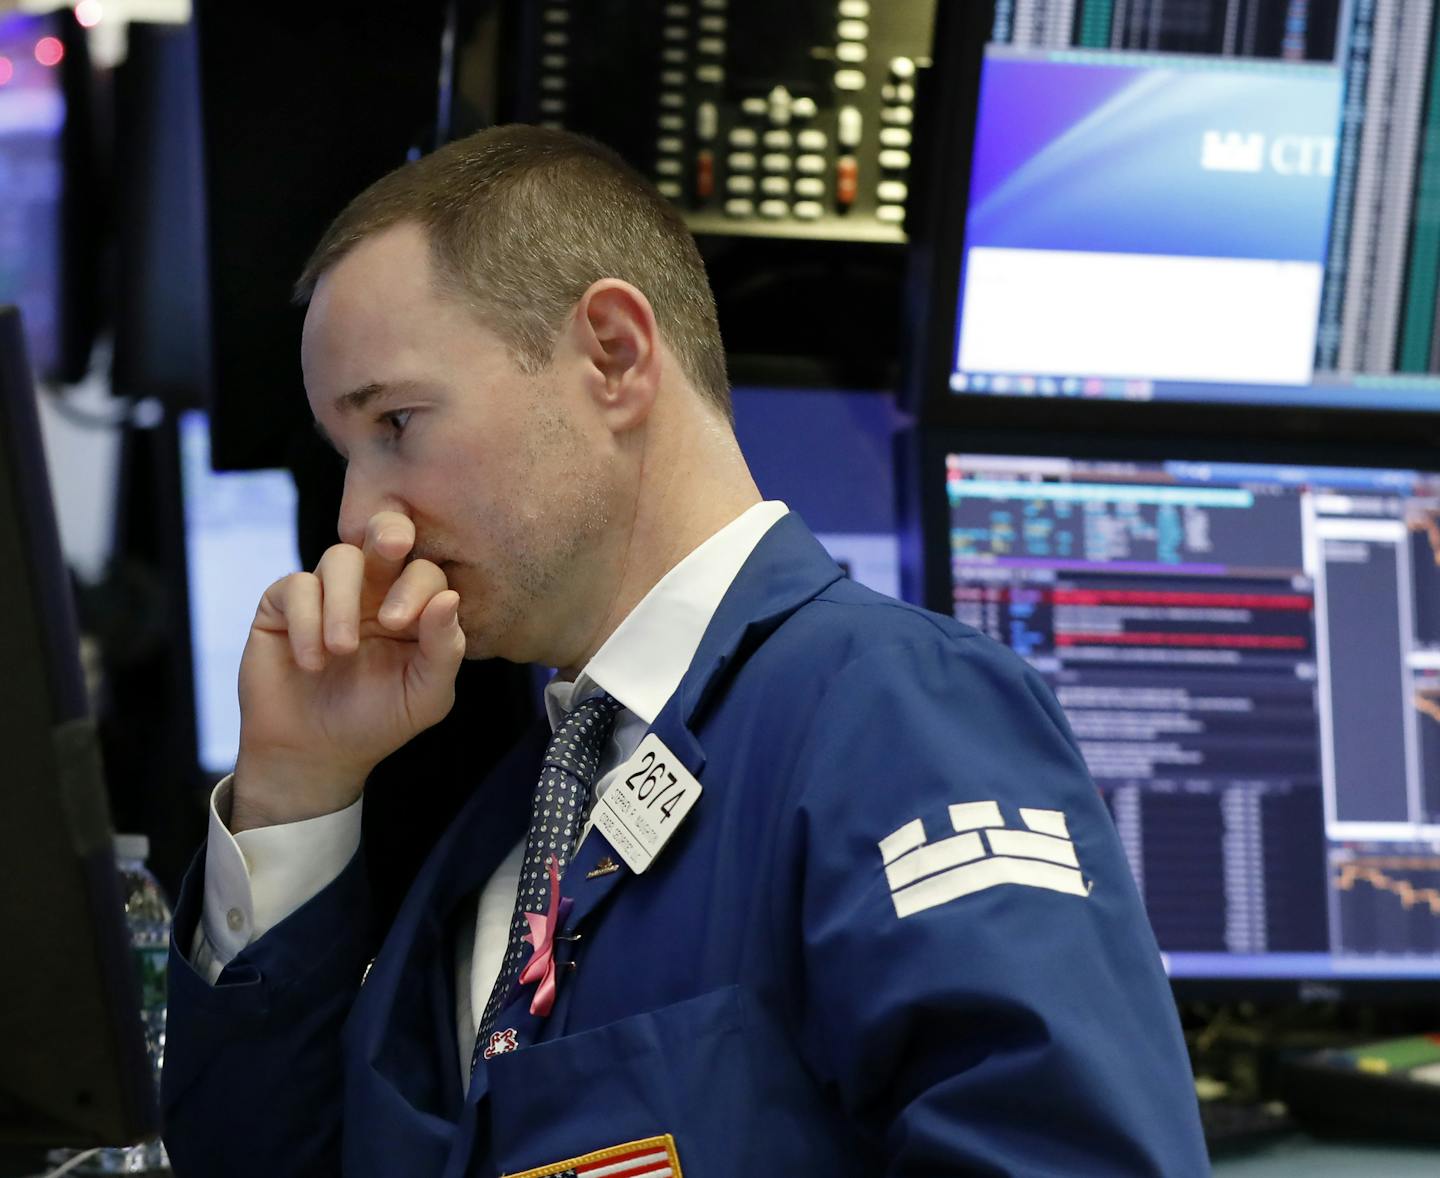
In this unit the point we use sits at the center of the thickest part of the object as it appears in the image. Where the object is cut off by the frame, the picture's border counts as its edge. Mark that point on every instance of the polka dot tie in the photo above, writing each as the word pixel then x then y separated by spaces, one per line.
pixel 562 800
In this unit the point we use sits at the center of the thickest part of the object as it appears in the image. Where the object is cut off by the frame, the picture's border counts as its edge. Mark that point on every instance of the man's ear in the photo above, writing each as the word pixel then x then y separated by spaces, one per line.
pixel 615 337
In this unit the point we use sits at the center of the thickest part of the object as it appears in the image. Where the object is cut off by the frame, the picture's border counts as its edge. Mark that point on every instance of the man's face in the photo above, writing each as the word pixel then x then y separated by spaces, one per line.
pixel 505 475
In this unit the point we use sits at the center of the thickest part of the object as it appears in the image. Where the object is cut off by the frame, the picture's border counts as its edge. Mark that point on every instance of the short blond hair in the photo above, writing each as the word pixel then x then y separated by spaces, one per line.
pixel 521 220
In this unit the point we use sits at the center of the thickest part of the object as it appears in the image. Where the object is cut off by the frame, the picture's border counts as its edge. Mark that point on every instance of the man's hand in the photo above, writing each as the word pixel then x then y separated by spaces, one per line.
pixel 343 666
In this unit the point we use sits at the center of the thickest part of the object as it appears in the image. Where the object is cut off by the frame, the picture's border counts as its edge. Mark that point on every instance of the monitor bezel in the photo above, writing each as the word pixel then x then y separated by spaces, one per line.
pixel 92 1070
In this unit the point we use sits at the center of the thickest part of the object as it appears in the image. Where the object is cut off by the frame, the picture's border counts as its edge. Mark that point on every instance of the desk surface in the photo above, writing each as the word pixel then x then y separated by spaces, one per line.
pixel 1300 1154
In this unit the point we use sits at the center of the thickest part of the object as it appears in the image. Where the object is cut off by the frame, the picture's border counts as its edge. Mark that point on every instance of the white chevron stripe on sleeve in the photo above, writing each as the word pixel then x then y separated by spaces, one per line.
pixel 907 838
pixel 973 815
pixel 929 859
pixel 1033 846
pixel 1046 822
pixel 983 874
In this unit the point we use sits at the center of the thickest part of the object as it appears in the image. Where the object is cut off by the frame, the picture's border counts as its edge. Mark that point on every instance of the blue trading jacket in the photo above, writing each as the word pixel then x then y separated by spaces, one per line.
pixel 896 935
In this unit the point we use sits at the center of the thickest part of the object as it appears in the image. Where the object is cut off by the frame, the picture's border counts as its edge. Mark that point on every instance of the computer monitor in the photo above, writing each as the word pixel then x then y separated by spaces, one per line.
pixel 840 481
pixel 32 176
pixel 74 1070
pixel 240 537
pixel 1186 205
pixel 52 215
pixel 1249 657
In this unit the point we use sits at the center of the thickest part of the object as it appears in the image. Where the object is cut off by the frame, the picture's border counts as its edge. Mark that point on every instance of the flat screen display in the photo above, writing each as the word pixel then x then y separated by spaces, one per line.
pixel 1200 203
pixel 840 478
pixel 240 537
pixel 1249 657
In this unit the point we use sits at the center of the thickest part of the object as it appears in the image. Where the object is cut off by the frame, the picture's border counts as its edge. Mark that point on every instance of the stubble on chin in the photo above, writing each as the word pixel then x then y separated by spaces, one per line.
pixel 483 641
pixel 500 608
pixel 546 544
pixel 484 616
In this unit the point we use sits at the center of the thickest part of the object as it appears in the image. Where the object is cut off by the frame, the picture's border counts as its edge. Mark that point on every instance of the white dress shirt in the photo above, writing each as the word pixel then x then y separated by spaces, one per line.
pixel 256 878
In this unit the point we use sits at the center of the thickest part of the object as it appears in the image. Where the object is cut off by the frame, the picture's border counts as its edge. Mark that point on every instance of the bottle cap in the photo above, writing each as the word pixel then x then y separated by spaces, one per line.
pixel 132 846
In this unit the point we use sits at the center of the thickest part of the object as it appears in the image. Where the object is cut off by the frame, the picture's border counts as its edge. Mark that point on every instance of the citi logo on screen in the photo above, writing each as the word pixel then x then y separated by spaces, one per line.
pixel 1251 151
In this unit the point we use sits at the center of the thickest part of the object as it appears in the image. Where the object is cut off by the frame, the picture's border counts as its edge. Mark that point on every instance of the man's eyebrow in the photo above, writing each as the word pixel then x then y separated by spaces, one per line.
pixel 351 402
pixel 357 399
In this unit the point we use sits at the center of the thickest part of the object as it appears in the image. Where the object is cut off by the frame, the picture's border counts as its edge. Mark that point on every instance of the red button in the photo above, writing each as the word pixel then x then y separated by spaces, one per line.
pixel 705 175
pixel 847 180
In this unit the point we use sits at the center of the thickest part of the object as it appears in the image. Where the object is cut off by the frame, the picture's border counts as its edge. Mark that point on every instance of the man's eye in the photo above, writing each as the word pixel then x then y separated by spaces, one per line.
pixel 395 421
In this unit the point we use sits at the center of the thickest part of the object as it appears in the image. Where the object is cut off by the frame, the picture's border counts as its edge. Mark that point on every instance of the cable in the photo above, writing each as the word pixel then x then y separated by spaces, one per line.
pixel 71 1164
pixel 124 414
pixel 133 412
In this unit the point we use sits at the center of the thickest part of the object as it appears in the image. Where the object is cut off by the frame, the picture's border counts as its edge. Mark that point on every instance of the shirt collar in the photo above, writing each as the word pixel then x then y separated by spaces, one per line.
pixel 644 659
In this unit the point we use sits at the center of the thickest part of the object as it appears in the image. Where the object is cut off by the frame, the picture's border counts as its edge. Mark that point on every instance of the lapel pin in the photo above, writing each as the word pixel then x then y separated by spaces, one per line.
pixel 502 1042
pixel 606 866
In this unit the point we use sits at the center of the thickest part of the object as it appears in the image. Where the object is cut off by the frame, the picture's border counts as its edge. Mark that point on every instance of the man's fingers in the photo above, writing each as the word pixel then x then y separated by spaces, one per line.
pixel 412 591
pixel 389 537
pixel 340 572
pixel 321 613
pixel 441 650
pixel 292 606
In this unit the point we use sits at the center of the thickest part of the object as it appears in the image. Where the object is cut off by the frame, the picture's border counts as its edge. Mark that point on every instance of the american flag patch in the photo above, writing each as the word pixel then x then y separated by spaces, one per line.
pixel 654 1157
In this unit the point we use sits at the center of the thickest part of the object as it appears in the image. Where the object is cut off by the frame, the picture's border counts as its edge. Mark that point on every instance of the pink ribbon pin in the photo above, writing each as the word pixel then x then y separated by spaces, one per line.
pixel 541 966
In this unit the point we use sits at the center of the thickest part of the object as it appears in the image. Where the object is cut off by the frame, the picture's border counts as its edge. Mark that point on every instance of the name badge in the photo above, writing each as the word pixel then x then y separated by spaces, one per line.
pixel 645 803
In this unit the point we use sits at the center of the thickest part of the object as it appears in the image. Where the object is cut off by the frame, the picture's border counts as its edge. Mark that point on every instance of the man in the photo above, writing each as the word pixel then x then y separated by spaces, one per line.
pixel 844 900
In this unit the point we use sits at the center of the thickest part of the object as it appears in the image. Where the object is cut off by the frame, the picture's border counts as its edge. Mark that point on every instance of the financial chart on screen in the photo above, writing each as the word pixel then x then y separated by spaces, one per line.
pixel 1249 657
pixel 1205 201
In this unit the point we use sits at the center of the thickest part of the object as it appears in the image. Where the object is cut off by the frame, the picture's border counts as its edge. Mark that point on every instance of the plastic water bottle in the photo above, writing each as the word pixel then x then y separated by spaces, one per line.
pixel 148 915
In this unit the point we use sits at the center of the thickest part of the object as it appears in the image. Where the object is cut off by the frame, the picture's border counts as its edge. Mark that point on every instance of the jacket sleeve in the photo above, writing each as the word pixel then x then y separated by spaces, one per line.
pixel 981 984
pixel 252 1082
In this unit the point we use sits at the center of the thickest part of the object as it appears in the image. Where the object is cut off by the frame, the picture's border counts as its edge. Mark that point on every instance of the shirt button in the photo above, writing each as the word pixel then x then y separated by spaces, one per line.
pixel 235 919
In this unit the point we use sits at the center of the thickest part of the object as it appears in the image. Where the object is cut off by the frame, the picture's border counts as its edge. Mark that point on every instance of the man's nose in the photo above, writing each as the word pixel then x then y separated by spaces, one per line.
pixel 361 500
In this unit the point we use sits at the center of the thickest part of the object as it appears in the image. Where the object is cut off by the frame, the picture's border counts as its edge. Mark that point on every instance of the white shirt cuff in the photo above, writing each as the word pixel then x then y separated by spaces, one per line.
pixel 255 879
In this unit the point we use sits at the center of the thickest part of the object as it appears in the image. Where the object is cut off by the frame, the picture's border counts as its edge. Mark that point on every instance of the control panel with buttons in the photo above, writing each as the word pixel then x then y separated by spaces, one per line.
pixel 754 117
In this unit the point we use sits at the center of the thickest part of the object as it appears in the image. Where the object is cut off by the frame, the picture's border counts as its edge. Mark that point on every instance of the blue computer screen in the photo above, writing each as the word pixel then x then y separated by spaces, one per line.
pixel 827 454
pixel 1249 657
pixel 1245 223
pixel 240 537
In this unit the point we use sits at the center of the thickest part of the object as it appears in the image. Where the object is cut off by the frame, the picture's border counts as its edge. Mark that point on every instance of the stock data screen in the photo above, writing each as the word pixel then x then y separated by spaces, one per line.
pixel 1249 657
pixel 1208 202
